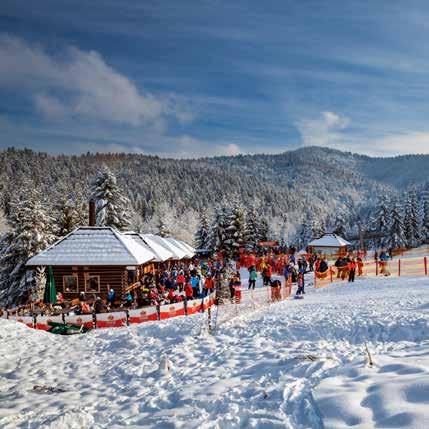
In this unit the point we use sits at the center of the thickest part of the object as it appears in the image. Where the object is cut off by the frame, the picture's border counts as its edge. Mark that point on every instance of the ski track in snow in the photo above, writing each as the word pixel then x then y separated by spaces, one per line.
pixel 295 364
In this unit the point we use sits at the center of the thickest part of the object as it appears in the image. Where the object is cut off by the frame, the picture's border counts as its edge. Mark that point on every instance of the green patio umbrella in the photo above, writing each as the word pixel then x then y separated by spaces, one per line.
pixel 50 296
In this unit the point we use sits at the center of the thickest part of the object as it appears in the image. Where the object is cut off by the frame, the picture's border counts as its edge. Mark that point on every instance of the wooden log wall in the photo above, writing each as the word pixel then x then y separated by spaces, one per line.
pixel 110 276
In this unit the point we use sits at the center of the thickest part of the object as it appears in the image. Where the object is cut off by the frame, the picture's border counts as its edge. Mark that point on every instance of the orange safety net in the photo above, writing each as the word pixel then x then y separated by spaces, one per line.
pixel 411 267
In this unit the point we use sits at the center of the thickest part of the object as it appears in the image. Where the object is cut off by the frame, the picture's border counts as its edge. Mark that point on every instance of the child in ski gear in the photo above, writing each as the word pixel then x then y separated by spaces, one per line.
pixel 253 275
pixel 266 274
pixel 352 270
pixel 276 287
pixel 301 284
pixel 359 263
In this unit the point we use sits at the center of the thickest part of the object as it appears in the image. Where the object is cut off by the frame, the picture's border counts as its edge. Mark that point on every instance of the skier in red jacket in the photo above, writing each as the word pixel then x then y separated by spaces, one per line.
pixel 189 292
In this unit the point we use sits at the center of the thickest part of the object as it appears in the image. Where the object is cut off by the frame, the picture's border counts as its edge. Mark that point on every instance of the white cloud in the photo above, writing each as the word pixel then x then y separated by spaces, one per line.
pixel 400 144
pixel 88 87
pixel 49 106
pixel 186 146
pixel 331 130
pixel 326 130
pixel 230 149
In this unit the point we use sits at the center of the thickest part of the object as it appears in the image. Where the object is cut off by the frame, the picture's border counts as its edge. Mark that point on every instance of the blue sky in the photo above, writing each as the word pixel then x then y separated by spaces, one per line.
pixel 213 77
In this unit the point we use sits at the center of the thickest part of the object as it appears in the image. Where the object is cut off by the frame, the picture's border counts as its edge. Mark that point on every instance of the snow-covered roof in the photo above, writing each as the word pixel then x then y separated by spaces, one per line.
pixel 91 246
pixel 178 252
pixel 329 240
pixel 190 253
pixel 162 252
pixel 187 246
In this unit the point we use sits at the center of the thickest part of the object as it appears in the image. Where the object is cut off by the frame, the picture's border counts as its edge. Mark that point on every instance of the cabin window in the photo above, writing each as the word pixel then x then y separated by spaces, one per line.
pixel 70 284
pixel 92 284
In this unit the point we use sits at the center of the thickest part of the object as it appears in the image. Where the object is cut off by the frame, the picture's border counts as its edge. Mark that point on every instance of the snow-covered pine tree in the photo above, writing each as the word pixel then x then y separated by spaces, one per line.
pixel 283 232
pixel 425 219
pixel 264 228
pixel 72 212
pixel 113 208
pixel 203 231
pixel 30 232
pixel 234 229
pixel 396 238
pixel 318 227
pixel 217 233
pixel 307 230
pixel 411 219
pixel 339 226
pixel 381 221
pixel 251 228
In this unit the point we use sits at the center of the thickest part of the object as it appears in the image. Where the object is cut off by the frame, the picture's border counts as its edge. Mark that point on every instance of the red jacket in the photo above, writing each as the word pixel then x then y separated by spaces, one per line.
pixel 209 284
pixel 189 291
pixel 352 265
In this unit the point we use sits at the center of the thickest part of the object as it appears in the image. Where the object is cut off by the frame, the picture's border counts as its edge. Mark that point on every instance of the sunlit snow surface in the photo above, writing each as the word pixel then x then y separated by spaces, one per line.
pixel 296 364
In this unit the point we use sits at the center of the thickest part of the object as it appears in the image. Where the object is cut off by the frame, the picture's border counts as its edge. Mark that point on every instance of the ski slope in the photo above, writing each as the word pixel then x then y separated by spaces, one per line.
pixel 295 364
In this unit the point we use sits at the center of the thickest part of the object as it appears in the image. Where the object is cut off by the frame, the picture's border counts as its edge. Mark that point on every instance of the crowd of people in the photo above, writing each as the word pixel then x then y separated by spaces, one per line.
pixel 184 282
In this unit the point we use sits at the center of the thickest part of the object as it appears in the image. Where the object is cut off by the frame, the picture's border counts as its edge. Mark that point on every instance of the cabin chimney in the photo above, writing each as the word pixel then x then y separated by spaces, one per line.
pixel 91 217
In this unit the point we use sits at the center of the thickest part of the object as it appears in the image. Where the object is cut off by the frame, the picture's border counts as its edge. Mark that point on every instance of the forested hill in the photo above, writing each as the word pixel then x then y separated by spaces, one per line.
pixel 284 186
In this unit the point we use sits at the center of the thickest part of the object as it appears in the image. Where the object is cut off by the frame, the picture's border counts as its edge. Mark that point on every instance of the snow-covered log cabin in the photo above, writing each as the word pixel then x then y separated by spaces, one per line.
pixel 92 259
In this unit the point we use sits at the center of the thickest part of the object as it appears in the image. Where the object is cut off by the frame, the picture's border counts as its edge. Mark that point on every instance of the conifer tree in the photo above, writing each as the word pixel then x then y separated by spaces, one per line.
pixel 30 232
pixel 340 224
pixel 203 232
pixel 264 228
pixel 381 221
pixel 72 212
pixel 217 232
pixel 112 206
pixel 307 232
pixel 251 228
pixel 411 220
pixel 396 238
pixel 425 220
pixel 234 229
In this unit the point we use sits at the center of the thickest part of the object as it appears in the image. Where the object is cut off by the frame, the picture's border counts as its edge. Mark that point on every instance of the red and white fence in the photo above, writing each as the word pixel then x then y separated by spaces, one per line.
pixel 119 318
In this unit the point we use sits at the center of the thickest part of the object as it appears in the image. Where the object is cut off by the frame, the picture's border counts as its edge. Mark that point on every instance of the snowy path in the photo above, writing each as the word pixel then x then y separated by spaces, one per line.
pixel 296 364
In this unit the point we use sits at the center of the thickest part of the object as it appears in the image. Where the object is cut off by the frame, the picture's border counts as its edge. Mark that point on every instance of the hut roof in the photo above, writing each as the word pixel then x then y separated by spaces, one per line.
pixel 177 252
pixel 160 252
pixel 329 240
pixel 190 252
pixel 91 246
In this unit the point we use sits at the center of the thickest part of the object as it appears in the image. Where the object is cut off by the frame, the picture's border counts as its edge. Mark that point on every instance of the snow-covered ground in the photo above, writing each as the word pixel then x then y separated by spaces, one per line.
pixel 295 364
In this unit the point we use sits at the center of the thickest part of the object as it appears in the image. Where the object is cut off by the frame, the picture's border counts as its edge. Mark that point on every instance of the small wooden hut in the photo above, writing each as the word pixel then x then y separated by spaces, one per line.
pixel 330 245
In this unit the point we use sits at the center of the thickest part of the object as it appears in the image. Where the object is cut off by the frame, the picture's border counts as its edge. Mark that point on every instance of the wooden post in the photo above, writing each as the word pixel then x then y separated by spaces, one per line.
pixel 315 279
pixel 376 268
pixel 399 268
pixel 426 265
pixel 209 319
pixel 330 271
